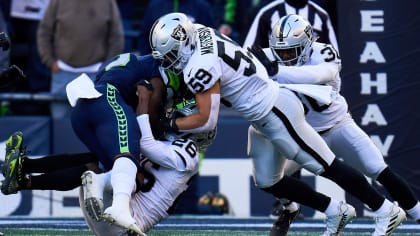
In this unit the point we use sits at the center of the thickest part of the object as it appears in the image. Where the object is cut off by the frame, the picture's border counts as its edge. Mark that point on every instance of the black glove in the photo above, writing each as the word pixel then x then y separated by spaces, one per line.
pixel 4 41
pixel 11 75
pixel 169 124
pixel 272 67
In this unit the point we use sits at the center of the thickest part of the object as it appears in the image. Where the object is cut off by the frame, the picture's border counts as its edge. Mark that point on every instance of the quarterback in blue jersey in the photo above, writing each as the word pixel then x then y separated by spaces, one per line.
pixel 104 119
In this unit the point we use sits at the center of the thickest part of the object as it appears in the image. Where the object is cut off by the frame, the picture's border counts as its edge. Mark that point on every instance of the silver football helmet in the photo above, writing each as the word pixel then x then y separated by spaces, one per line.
pixel 291 40
pixel 187 108
pixel 172 41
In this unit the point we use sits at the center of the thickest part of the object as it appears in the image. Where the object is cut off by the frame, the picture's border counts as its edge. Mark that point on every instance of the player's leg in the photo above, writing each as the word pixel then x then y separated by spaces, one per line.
pixel 61 172
pixel 348 141
pixel 100 228
pixel 117 132
pixel 60 161
pixel 268 175
pixel 298 141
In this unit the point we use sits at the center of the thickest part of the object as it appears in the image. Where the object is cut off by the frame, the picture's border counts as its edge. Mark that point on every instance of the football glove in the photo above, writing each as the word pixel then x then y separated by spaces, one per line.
pixel 169 124
pixel 11 75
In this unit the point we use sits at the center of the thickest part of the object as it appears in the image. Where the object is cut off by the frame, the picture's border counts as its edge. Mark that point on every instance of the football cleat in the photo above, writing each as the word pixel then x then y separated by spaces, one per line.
pixel 93 187
pixel 336 223
pixel 120 217
pixel 12 167
pixel 282 224
pixel 277 210
pixel 387 223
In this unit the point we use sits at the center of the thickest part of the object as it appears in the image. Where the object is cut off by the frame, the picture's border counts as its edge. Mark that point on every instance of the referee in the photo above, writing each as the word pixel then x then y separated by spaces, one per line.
pixel 269 14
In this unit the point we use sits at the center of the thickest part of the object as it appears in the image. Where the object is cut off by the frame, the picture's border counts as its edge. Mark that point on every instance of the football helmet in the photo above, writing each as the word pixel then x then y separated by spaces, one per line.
pixel 187 108
pixel 172 41
pixel 291 40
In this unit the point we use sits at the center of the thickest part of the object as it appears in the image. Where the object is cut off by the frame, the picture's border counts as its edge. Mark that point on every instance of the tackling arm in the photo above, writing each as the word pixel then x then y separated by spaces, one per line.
pixel 155 150
pixel 308 74
pixel 208 104
pixel 150 101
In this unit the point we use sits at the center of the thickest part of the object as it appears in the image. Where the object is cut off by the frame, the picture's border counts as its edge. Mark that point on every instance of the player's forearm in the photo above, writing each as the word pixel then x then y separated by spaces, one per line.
pixel 203 121
pixel 308 74
pixel 155 150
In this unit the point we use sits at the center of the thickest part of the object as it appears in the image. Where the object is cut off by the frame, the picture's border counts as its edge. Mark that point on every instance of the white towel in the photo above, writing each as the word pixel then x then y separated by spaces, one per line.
pixel 322 93
pixel 81 87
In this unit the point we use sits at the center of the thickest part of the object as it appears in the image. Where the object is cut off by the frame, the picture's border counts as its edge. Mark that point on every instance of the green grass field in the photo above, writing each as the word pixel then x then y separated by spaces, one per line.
pixel 38 232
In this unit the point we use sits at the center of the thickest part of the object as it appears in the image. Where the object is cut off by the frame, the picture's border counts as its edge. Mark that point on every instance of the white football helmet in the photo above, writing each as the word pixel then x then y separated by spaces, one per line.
pixel 291 40
pixel 203 140
pixel 172 41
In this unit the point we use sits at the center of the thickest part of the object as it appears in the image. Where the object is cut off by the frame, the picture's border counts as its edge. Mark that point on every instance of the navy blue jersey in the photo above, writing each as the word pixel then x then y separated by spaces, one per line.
pixel 107 125
pixel 124 72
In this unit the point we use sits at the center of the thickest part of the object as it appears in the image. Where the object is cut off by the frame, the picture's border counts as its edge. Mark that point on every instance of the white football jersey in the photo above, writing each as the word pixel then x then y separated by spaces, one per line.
pixel 244 82
pixel 167 182
pixel 168 168
pixel 322 67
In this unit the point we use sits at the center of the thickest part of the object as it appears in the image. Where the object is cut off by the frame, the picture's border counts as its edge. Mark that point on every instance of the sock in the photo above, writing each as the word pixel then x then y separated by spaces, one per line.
pixel 55 162
pixel 332 208
pixel 384 209
pixel 398 188
pixel 354 183
pixel 291 206
pixel 123 180
pixel 414 212
pixel 108 185
pixel 298 191
pixel 63 180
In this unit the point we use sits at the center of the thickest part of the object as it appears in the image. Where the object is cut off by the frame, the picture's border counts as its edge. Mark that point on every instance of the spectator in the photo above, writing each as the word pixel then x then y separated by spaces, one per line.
pixel 199 11
pixel 4 62
pixel 269 14
pixel 74 37
pixel 231 17
pixel 132 11
pixel 24 17
pixel 4 52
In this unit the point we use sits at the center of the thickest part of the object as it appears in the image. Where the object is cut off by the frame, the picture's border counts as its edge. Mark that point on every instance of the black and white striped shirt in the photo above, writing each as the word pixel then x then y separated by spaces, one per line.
pixel 268 15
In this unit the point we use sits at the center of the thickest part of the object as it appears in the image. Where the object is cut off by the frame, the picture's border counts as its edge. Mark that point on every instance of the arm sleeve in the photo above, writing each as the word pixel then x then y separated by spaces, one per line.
pixel 157 151
pixel 307 74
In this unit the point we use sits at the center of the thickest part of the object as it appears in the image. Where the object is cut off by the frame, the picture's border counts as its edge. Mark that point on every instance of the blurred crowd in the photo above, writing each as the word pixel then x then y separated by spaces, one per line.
pixel 53 41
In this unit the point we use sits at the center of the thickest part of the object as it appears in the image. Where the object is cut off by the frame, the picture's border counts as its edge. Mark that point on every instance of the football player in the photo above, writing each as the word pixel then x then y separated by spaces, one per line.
pixel 216 68
pixel 167 168
pixel 299 59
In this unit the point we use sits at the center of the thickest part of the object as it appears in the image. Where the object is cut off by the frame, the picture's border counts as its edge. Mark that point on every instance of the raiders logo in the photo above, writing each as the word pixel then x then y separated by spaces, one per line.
pixel 179 33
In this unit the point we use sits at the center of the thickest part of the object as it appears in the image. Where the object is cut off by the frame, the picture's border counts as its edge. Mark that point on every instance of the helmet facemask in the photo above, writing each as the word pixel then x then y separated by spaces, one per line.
pixel 291 40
